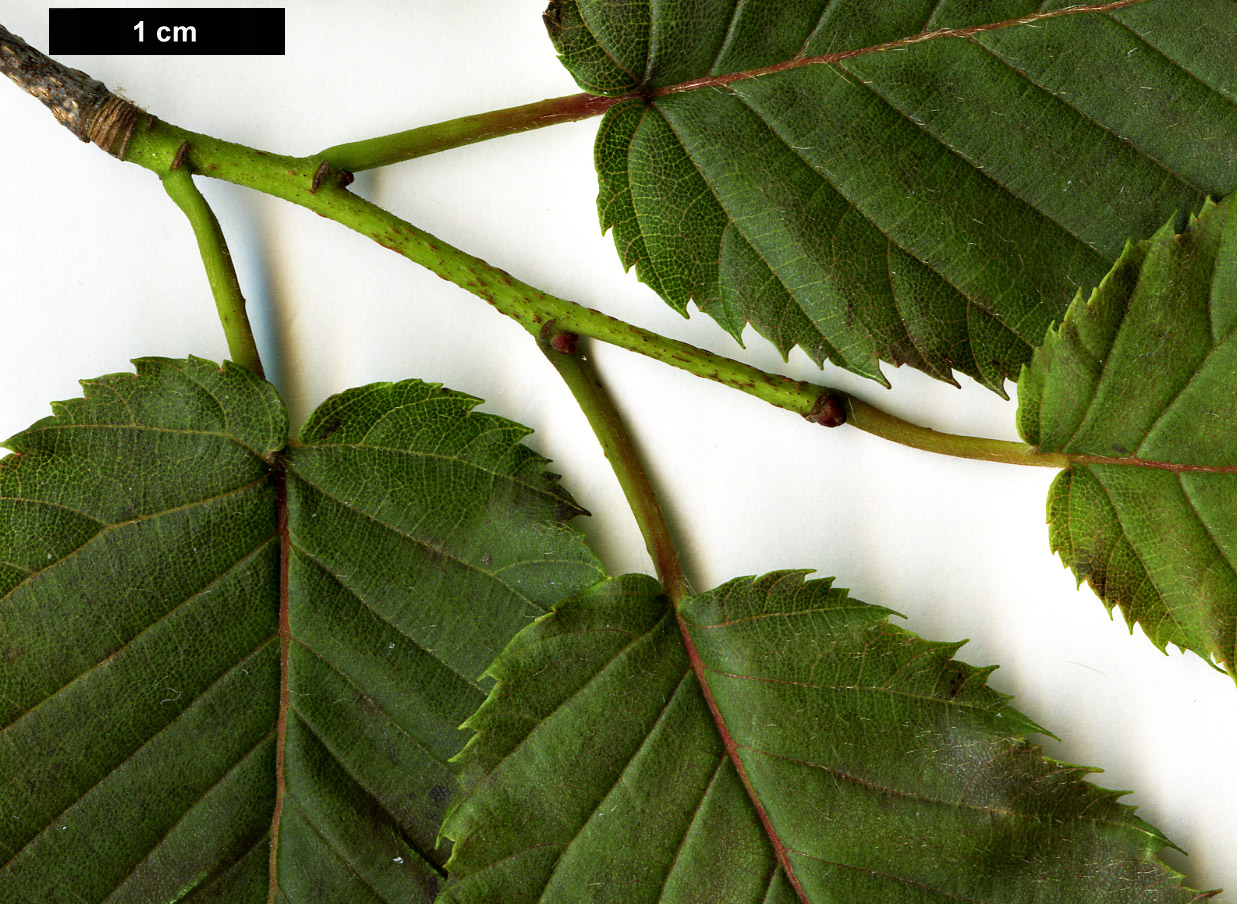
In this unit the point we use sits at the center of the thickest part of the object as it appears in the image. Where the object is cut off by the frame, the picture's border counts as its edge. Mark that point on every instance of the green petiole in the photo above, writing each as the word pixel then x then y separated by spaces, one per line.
pixel 219 269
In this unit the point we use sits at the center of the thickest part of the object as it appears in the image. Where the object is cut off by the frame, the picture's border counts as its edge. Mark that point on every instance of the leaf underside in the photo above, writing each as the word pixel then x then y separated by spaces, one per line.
pixel 140 651
pixel 888 771
pixel 1144 375
pixel 933 203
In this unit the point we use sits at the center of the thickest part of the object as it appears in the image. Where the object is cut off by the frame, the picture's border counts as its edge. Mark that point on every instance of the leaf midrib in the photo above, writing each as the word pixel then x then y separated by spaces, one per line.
pixel 883 47
pixel 285 643
pixel 1135 462
pixel 780 852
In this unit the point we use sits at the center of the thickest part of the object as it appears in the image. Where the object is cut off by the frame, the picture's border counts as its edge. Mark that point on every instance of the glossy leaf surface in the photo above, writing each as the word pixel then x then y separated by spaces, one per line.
pixel 884 770
pixel 1140 382
pixel 914 181
pixel 158 724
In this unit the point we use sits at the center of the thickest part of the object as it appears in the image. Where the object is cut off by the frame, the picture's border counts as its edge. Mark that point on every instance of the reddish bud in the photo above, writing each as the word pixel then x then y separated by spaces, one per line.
pixel 567 343
pixel 829 411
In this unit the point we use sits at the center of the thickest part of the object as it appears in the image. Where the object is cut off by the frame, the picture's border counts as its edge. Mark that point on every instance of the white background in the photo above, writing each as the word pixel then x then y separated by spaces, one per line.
pixel 97 267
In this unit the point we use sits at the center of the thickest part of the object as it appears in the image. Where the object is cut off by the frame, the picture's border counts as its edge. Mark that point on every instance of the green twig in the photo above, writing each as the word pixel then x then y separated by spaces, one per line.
pixel 321 186
pixel 219 270
pixel 313 184
pixel 292 178
pixel 578 373
pixel 387 149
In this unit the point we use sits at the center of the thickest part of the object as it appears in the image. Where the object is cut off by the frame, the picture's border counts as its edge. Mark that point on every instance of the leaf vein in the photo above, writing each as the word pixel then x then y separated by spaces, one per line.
pixel 972 301
pixel 312 729
pixel 330 846
pixel 727 38
pixel 1146 572
pixel 925 354
pixel 882 875
pixel 1194 374
pixel 769 882
pixel 979 707
pixel 106 528
pixel 355 594
pixel 146 857
pixel 436 551
pixel 619 779
pixel 495 864
pixel 360 690
pixel 858 607
pixel 1004 190
pixel 1175 63
pixel 542 720
pixel 192 378
pixel 454 459
pixel 1221 554
pixel 775 276
pixel 1091 120
pixel 1006 811
pixel 54 505
pixel 902 43
pixel 811 35
pixel 674 861
pixel 923 29
pixel 146 743
pixel 209 880
pixel 232 568
pixel 147 428
pixel 608 52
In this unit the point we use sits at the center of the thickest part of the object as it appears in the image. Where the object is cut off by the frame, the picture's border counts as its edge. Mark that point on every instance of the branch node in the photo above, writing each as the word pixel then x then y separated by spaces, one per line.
pixel 111 125
pixel 829 410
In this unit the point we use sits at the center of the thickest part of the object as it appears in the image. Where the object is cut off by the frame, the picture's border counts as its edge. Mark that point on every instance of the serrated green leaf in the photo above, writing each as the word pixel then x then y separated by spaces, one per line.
pixel 1139 383
pixel 916 182
pixel 158 725
pixel 874 767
